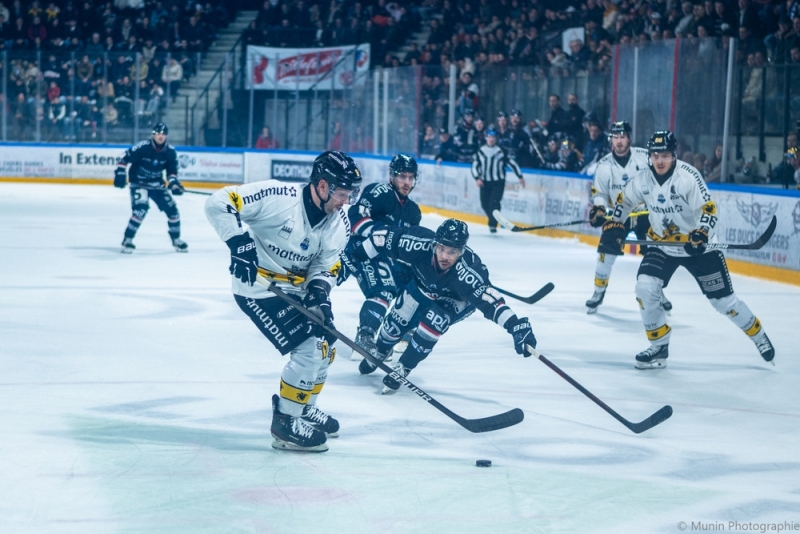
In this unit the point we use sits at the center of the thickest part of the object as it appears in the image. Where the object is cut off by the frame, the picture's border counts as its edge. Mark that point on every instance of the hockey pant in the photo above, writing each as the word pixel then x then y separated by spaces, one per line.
pixel 711 273
pixel 430 318
pixel 140 204
pixel 288 330
pixel 491 194
pixel 605 262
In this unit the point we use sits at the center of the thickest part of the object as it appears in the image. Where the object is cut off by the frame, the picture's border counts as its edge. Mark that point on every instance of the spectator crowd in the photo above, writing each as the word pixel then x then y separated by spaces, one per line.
pixel 73 66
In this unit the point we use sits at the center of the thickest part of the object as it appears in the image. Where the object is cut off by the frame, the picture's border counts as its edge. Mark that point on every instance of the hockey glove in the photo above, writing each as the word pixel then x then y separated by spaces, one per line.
pixel 175 186
pixel 120 177
pixel 612 238
pixel 698 239
pixel 244 258
pixel 318 302
pixel 597 216
pixel 520 329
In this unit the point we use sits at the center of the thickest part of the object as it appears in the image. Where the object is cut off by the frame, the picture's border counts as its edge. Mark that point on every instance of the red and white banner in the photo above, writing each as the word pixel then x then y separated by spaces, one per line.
pixel 324 69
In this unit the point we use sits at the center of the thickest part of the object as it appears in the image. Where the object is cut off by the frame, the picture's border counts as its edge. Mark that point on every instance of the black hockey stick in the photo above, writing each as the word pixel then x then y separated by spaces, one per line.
pixel 508 225
pixel 485 424
pixel 536 297
pixel 755 245
pixel 660 416
pixel 197 192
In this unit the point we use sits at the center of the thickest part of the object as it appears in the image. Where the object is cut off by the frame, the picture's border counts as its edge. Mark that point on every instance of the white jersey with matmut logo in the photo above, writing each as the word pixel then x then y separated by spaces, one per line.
pixel 285 241
pixel 678 206
pixel 610 177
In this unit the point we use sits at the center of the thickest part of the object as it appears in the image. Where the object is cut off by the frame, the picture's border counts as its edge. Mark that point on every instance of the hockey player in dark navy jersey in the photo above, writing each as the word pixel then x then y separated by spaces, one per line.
pixel 148 160
pixel 381 206
pixel 449 282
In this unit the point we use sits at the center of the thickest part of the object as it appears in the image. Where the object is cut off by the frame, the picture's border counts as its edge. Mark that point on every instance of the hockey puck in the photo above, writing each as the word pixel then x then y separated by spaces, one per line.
pixel 483 463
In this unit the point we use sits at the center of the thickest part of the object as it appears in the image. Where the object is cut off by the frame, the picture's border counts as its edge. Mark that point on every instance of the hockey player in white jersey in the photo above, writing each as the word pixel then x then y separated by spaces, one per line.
pixel 680 209
pixel 294 236
pixel 611 174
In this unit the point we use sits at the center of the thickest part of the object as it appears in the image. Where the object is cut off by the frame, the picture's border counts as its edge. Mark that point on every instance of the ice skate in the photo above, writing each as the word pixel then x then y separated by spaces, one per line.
pixel 401 346
pixel 127 246
pixel 321 421
pixel 666 304
pixel 595 301
pixel 294 433
pixel 654 357
pixel 180 245
pixel 365 338
pixel 390 385
pixel 765 346
pixel 366 367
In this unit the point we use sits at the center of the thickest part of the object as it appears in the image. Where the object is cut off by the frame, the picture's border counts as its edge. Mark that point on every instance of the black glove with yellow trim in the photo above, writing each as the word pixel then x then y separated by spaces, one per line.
pixel 597 216
pixel 318 301
pixel 698 239
pixel 612 238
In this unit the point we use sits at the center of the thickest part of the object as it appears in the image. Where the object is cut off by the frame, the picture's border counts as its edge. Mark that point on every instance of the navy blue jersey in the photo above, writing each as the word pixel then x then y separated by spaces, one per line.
pixel 380 204
pixel 467 280
pixel 148 164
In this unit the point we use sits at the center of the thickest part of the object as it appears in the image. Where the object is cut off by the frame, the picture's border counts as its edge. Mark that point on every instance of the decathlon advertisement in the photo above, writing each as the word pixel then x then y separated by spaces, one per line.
pixel 301 69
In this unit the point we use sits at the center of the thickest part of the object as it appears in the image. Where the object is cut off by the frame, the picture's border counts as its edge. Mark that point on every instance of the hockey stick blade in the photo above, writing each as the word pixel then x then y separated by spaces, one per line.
pixel 755 245
pixel 485 424
pixel 508 225
pixel 536 297
pixel 659 417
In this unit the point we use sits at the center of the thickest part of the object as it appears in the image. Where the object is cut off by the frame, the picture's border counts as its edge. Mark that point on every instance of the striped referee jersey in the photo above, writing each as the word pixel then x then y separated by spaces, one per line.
pixel 490 164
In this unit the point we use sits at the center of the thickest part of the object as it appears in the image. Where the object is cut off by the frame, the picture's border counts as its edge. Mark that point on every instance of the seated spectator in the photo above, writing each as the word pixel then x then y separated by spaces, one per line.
pixel 713 170
pixel 448 151
pixel 782 173
pixel 579 58
pixel 430 145
pixel 699 163
pixel 56 115
pixel 266 140
pixel 172 76
pixel 110 115
pixel 596 145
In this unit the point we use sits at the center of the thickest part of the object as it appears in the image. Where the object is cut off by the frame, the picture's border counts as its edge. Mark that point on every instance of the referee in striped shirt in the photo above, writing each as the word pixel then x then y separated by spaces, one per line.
pixel 489 172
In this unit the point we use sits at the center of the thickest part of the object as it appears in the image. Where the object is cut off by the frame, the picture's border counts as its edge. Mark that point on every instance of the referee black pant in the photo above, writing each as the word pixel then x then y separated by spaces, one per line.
pixel 491 195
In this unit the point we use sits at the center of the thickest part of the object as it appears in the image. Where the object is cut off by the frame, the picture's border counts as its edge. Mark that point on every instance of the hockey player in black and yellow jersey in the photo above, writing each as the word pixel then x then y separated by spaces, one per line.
pixel 680 209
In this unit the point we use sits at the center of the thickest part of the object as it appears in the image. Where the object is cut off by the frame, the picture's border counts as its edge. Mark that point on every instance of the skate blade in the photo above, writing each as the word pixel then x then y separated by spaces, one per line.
pixel 181 249
pixel 332 434
pixel 355 357
pixel 388 391
pixel 286 446
pixel 591 311
pixel 657 364
pixel 126 250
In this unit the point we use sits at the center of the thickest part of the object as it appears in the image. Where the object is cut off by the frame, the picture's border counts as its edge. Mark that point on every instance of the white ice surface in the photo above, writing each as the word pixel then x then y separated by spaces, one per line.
pixel 135 397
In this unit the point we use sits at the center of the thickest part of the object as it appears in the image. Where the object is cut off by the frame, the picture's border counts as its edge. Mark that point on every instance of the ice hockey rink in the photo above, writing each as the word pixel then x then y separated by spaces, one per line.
pixel 135 397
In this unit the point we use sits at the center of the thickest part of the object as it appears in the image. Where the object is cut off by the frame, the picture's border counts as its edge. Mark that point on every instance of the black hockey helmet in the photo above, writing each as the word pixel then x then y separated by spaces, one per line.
pixel 403 163
pixel 161 128
pixel 338 169
pixel 516 113
pixel 452 233
pixel 620 127
pixel 662 141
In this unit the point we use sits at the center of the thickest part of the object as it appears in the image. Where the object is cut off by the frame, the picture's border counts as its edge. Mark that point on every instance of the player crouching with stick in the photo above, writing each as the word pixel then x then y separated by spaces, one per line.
pixel 449 283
